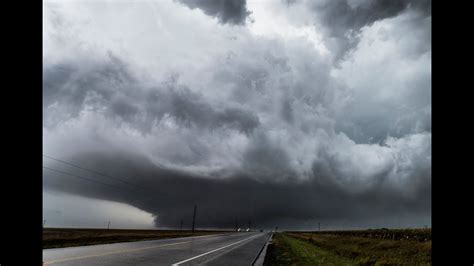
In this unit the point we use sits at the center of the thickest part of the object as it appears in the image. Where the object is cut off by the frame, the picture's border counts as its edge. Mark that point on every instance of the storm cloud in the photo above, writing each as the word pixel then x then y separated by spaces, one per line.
pixel 268 128
pixel 227 11
pixel 341 21
pixel 109 86
pixel 170 195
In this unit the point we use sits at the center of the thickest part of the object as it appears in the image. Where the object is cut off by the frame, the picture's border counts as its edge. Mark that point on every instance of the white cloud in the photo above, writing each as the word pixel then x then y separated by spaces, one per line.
pixel 277 20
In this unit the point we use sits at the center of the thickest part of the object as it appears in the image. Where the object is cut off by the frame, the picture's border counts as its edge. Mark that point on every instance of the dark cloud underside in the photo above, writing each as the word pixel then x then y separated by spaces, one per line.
pixel 171 195
pixel 343 19
pixel 227 11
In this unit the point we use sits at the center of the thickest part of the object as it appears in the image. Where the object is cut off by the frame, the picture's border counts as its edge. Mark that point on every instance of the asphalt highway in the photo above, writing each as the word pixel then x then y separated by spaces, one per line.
pixel 222 249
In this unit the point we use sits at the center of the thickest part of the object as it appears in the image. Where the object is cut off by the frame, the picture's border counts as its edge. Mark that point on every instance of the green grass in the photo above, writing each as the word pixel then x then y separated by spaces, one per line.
pixel 286 250
pixel 372 251
pixel 320 248
pixel 413 234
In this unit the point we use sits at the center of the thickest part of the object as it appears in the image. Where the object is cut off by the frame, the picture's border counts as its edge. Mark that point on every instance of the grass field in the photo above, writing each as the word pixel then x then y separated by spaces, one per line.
pixel 68 237
pixel 350 248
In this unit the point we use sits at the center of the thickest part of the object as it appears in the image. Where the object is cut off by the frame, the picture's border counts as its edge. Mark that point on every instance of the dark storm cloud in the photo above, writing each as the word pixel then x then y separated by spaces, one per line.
pixel 227 11
pixel 343 19
pixel 170 195
pixel 264 185
pixel 267 159
pixel 71 87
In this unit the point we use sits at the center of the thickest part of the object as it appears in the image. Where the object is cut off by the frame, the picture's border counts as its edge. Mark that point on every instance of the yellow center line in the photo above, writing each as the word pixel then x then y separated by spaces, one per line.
pixel 111 253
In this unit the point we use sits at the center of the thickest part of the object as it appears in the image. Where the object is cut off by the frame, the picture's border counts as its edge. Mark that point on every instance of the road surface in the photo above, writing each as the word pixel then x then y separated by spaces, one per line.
pixel 222 249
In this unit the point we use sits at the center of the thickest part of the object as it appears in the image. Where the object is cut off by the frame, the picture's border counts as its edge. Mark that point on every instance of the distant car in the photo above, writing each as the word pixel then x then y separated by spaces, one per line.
pixel 248 230
pixel 239 230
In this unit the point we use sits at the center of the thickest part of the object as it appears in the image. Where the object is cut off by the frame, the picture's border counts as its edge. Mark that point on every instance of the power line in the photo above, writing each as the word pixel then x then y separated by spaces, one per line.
pixel 85 178
pixel 90 170
pixel 194 217
pixel 105 175
pixel 153 197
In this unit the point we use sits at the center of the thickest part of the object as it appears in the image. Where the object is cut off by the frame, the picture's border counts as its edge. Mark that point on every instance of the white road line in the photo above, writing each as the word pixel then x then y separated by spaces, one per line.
pixel 212 251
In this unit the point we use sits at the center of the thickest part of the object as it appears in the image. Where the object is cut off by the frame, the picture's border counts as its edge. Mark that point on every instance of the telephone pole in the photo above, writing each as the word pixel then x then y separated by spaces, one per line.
pixel 108 225
pixel 236 224
pixel 319 226
pixel 194 217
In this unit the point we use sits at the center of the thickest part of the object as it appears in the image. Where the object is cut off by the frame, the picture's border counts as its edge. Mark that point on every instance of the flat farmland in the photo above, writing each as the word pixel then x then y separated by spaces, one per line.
pixel 69 237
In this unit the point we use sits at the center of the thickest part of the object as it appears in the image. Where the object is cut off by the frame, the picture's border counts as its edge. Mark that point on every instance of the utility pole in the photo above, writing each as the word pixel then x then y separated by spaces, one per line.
pixel 108 225
pixel 250 224
pixel 236 224
pixel 194 217
pixel 319 226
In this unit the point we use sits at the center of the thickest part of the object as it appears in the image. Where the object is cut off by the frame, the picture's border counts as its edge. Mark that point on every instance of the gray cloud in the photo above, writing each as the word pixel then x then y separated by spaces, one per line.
pixel 342 20
pixel 275 131
pixel 227 11
pixel 109 85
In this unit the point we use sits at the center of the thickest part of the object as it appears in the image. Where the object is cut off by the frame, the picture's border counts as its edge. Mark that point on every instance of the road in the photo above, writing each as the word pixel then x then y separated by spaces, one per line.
pixel 222 249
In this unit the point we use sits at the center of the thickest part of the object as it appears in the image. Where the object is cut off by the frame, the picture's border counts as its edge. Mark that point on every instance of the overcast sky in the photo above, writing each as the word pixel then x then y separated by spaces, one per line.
pixel 286 113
